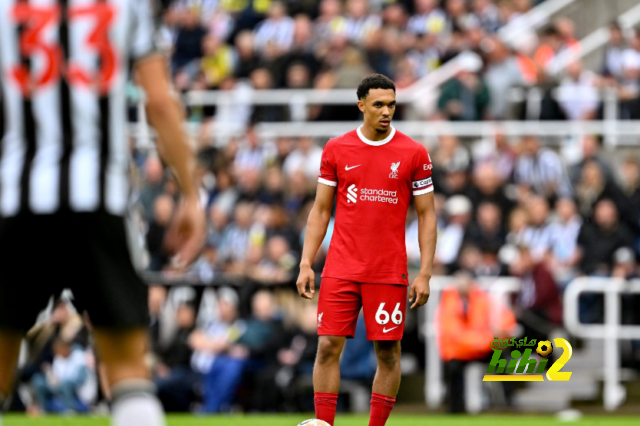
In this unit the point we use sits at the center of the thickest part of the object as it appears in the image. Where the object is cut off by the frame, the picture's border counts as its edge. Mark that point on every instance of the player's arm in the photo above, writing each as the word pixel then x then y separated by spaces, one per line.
pixel 187 233
pixel 427 234
pixel 317 224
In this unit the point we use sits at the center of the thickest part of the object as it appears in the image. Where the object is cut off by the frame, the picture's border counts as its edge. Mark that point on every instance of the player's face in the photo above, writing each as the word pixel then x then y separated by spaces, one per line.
pixel 378 109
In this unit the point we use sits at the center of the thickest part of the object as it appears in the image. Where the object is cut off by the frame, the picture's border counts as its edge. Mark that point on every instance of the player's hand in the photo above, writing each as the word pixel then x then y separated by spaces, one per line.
pixel 187 233
pixel 419 291
pixel 307 276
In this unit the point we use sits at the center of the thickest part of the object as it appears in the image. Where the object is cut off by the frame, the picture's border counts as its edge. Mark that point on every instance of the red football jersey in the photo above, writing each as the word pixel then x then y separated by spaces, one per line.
pixel 375 181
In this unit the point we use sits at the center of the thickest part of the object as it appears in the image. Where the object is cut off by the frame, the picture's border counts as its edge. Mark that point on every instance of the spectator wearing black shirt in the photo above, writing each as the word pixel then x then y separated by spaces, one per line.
pixel 598 240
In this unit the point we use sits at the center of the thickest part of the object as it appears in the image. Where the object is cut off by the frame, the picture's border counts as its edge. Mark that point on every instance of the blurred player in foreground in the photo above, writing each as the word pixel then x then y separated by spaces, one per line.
pixel 63 180
pixel 375 171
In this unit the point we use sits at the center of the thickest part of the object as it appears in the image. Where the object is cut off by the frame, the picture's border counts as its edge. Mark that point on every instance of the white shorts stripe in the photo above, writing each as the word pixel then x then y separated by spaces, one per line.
pixel 327 182
pixel 423 191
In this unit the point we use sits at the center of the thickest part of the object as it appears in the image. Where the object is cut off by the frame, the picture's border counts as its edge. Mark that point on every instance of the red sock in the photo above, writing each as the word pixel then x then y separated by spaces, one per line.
pixel 381 407
pixel 325 406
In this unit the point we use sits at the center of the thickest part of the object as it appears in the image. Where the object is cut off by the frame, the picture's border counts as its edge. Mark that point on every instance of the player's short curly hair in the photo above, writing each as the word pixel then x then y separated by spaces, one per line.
pixel 374 81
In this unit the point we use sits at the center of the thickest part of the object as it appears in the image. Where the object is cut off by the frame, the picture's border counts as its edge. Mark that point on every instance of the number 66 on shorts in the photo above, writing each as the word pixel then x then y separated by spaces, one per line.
pixel 383 305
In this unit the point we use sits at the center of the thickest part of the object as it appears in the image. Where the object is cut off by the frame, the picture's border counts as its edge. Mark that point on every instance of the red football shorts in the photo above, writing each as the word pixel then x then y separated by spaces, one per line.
pixel 384 307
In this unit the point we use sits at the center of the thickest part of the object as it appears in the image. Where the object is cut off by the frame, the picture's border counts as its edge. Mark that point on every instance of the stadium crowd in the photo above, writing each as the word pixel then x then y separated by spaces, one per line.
pixel 505 207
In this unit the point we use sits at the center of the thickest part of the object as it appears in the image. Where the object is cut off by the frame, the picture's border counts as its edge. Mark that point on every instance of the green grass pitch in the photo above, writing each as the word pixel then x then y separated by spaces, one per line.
pixel 345 420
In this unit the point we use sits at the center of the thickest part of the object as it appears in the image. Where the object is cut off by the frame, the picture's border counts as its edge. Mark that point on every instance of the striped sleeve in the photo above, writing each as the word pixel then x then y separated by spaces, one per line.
pixel 421 180
pixel 143 31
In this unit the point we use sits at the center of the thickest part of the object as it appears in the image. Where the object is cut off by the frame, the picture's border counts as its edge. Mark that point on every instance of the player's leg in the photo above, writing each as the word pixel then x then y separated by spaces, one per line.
pixel 115 297
pixel 384 312
pixel 9 351
pixel 326 371
pixel 387 379
pixel 338 307
pixel 132 391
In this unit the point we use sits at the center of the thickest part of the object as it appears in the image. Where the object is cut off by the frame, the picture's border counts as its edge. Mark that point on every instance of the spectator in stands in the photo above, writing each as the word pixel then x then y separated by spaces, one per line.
pixel 211 356
pixel 465 323
pixel 427 19
pixel 563 254
pixel 175 379
pixel 306 158
pixel 488 14
pixel 252 155
pixel 233 249
pixel 274 35
pixel 598 240
pixel 591 151
pixel 465 97
pixel 592 187
pixel 359 23
pixel 188 44
pixel 487 228
pixel 537 236
pixel 450 241
pixel 613 53
pixel 262 79
pixel 424 57
pixel 246 59
pixel 68 384
pixel 294 362
pixel 539 308
pixel 217 63
pixel 491 188
pixel 578 93
pixel 502 74
pixel 629 82
pixel 259 341
pixel 630 194
pixel 541 170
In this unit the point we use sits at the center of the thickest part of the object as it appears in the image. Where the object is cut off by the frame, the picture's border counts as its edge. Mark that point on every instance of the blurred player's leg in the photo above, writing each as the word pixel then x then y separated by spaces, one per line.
pixel 133 395
pixel 9 351
pixel 386 383
pixel 326 376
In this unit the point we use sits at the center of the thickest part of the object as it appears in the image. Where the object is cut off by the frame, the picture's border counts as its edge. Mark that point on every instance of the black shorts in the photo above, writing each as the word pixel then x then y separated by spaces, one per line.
pixel 85 252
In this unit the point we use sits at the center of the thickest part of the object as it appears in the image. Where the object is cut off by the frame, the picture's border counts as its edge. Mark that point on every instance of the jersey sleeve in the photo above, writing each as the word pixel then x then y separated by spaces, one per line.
pixel 328 168
pixel 421 182
pixel 143 30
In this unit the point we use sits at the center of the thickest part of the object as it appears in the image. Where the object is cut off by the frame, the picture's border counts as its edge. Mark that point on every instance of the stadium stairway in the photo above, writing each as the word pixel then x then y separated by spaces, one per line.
pixel 585 383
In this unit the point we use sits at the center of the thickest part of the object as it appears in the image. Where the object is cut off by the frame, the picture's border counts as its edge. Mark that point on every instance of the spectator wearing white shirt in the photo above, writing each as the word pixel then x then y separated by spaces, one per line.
pixel 306 158
pixel 577 94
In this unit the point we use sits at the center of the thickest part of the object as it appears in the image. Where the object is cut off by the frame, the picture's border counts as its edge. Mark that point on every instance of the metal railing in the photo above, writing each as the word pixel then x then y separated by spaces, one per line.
pixel 611 331
pixel 499 290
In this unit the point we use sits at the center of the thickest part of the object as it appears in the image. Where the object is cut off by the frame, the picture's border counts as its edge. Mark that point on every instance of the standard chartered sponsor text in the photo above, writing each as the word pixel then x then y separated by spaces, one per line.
pixel 379 195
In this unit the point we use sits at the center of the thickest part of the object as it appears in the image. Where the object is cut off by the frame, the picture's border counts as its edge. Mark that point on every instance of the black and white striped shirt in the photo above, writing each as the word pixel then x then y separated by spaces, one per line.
pixel 63 70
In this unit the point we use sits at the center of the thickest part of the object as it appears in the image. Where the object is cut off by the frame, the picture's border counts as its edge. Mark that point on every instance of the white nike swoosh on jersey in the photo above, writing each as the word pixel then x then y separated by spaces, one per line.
pixel 347 168
pixel 384 330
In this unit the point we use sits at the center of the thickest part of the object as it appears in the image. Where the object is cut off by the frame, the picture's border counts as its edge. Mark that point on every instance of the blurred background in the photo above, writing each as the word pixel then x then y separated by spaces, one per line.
pixel 529 110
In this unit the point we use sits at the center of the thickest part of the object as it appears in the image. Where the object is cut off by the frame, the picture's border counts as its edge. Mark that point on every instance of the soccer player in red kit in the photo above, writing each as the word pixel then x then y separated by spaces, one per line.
pixel 374 171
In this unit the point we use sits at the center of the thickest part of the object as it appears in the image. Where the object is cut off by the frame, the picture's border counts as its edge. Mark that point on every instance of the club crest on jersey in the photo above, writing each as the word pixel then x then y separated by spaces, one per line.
pixel 394 170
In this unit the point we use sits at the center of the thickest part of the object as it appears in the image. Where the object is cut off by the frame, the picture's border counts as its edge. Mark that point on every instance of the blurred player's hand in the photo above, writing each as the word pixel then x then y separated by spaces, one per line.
pixel 307 276
pixel 419 291
pixel 187 233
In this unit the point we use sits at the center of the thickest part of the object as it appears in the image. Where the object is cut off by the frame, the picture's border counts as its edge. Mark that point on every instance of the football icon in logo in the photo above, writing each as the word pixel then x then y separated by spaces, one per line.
pixel 544 348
